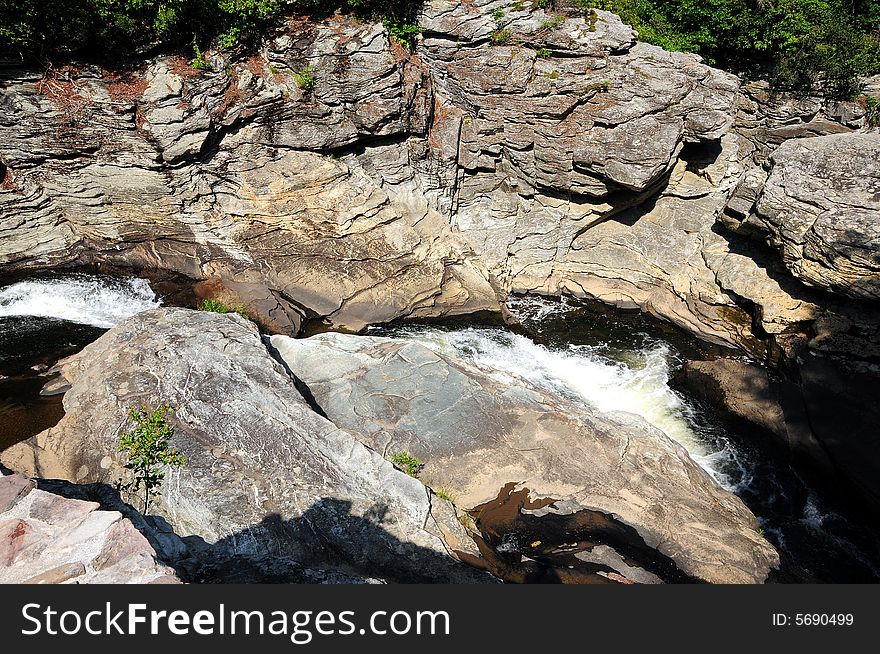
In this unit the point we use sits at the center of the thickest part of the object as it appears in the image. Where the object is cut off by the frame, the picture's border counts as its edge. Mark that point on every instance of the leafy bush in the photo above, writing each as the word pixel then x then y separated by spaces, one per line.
pixel 501 36
pixel 543 53
pixel 801 45
pixel 148 450
pixel 403 33
pixel 408 463
pixel 126 26
pixel 305 78
pixel 199 62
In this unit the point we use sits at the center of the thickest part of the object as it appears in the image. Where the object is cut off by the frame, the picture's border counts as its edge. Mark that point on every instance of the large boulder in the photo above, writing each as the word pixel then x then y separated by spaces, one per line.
pixel 819 207
pixel 267 482
pixel 49 539
pixel 476 431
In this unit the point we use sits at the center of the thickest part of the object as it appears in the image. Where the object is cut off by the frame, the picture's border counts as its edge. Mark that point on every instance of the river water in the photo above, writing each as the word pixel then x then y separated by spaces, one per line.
pixel 607 360
pixel 45 318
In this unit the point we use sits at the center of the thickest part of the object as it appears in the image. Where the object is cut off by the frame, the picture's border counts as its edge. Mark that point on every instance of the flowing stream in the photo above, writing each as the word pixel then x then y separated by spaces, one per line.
pixel 43 319
pixel 615 362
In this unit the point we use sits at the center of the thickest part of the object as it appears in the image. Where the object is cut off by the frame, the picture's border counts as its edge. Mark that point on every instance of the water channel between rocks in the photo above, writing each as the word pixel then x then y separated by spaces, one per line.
pixel 604 359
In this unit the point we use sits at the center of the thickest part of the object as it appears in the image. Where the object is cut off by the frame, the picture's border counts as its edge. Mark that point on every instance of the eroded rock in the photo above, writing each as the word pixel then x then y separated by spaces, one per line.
pixel 476 431
pixel 268 485
pixel 49 539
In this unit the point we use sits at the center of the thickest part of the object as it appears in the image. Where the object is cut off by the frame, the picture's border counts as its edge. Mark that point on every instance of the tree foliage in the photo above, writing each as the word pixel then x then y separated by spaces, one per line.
pixel 113 26
pixel 147 446
pixel 801 44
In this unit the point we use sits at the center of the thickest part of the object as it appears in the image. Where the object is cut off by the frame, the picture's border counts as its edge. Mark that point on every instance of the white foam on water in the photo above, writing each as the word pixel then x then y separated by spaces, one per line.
pixel 639 385
pixel 85 299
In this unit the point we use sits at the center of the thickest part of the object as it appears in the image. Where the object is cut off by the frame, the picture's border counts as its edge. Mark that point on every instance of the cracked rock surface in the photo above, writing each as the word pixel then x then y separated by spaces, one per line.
pixel 477 431
pixel 267 482
pixel 49 539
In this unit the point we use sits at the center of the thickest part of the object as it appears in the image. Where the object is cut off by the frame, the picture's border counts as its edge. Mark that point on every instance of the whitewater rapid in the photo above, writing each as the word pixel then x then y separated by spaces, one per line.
pixel 94 300
pixel 638 384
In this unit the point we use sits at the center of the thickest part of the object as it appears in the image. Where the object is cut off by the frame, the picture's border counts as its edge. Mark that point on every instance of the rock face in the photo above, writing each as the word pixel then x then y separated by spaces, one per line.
pixel 268 483
pixel 820 205
pixel 824 413
pixel 477 431
pixel 571 159
pixel 217 176
pixel 49 539
pixel 742 389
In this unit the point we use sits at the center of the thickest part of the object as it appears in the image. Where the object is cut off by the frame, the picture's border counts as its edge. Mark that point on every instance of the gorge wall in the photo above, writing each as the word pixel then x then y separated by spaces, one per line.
pixel 572 159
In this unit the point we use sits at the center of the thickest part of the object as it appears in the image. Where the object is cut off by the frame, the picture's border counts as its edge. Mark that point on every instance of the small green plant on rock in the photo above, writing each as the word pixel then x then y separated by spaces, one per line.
pixel 199 62
pixel 497 14
pixel 305 78
pixel 872 111
pixel 518 6
pixel 444 494
pixel 543 53
pixel 403 33
pixel 501 36
pixel 408 463
pixel 148 450
pixel 216 306
pixel 553 23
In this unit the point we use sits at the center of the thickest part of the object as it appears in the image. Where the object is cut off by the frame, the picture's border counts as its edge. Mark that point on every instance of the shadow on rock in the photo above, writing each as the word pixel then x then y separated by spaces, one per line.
pixel 326 544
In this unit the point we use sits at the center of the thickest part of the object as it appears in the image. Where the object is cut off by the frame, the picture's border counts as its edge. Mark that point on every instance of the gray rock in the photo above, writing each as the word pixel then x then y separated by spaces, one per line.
pixel 819 207
pixel 269 486
pixel 476 431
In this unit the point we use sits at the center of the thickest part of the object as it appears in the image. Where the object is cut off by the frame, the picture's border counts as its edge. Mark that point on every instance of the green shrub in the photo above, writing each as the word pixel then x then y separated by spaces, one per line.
pixel 403 33
pixel 497 14
pixel 199 62
pixel 215 306
pixel 305 78
pixel 545 4
pixel 501 36
pixel 408 463
pixel 518 6
pixel 543 53
pixel 148 450
pixel 801 45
